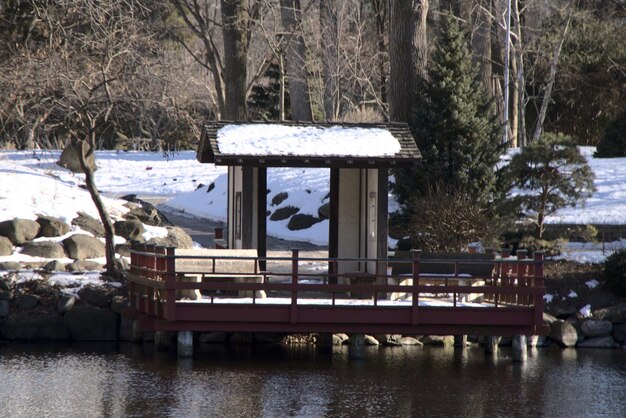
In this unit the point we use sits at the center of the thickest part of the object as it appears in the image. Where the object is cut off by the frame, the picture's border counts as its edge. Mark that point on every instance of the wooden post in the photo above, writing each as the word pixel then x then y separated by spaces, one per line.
pixel 414 294
pixel 162 340
pixel 491 344
pixel 460 340
pixel 357 346
pixel 538 281
pixel 520 351
pixel 185 344
pixel 170 284
pixel 295 253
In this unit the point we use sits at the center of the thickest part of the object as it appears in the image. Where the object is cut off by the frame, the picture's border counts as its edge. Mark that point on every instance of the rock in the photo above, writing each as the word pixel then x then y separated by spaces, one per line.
pixel 532 340
pixel 127 331
pixel 369 340
pixel 409 341
pixel 284 213
pixel 6 246
pixel 438 340
pixel 130 229
pixel 4 308
pixel 118 303
pixel 388 339
pixel 26 302
pixel 548 319
pixel 10 266
pixel 52 227
pixel 39 326
pixel 81 247
pixel 81 266
pixel 614 313
pixel 70 157
pixel 6 295
pixel 214 338
pixel 598 342
pixel 54 265
pixel 96 296
pixel 4 285
pixel 122 264
pixel 619 332
pixel 123 250
pixel 89 224
pixel 596 328
pixel 302 221
pixel 144 212
pixel 91 323
pixel 279 198
pixel 176 237
pixel 65 303
pixel 337 340
pixel 19 231
pixel 323 212
pixel 341 337
pixel 563 333
pixel 44 249
pixel 562 309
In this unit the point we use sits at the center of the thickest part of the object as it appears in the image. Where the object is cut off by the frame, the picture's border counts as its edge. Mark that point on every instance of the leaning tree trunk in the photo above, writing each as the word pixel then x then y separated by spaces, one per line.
pixel 295 60
pixel 235 21
pixel 330 61
pixel 481 42
pixel 109 231
pixel 420 38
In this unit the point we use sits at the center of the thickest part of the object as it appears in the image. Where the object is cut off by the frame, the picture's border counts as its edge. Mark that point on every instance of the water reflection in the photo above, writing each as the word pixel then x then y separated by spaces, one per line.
pixel 267 381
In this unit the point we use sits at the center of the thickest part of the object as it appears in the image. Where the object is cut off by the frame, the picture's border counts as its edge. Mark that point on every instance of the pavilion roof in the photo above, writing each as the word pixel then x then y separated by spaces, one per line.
pixel 308 144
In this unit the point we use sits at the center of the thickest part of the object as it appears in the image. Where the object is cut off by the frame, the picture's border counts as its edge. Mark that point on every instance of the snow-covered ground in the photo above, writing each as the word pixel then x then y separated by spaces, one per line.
pixel 31 184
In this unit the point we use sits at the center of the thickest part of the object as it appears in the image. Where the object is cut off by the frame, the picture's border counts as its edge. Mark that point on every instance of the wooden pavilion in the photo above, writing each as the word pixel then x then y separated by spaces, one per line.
pixel 359 157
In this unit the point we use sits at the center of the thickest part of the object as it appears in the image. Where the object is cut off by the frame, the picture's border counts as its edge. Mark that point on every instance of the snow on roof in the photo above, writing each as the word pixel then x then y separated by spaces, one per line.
pixel 280 140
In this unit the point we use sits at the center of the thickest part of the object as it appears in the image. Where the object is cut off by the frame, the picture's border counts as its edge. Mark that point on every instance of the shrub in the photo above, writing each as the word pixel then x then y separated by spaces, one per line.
pixel 613 143
pixel 549 247
pixel 615 272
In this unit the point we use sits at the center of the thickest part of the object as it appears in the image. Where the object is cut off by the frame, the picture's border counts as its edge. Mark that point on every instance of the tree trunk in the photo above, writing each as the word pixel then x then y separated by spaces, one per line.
pixel 109 231
pixel 420 38
pixel 401 67
pixel 330 61
pixel 295 61
pixel 235 22
pixel 381 10
pixel 520 79
pixel 547 95
pixel 481 42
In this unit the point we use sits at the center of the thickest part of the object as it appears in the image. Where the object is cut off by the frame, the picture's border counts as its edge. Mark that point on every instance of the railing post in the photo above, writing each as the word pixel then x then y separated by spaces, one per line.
pixel 170 283
pixel 521 276
pixel 504 274
pixel 295 253
pixel 415 294
pixel 538 281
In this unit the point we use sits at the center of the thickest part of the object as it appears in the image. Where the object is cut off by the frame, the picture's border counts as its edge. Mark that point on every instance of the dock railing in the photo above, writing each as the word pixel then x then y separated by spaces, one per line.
pixel 510 284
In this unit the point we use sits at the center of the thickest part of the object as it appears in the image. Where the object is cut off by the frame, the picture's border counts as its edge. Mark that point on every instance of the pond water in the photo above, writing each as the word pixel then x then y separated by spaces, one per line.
pixel 86 380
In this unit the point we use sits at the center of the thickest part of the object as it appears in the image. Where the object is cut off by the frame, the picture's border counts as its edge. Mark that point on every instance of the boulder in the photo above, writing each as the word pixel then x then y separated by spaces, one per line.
pixel 89 224
pixel 176 237
pixel 4 308
pixel 619 332
pixel 279 198
pixel 91 323
pixel 284 213
pixel 302 221
pixel 44 249
pixel 6 246
pixel 19 231
pixel 598 342
pixel 26 302
pixel 369 340
pixel 438 340
pixel 118 303
pixel 323 212
pixel 596 328
pixel 10 266
pixel 387 339
pixel 39 326
pixel 123 250
pixel 563 333
pixel 52 227
pixel 548 319
pixel 65 303
pixel 614 313
pixel 144 212
pixel 130 229
pixel 70 157
pixel 81 266
pixel 81 247
pixel 409 341
pixel 54 265
pixel 96 296
pixel 122 264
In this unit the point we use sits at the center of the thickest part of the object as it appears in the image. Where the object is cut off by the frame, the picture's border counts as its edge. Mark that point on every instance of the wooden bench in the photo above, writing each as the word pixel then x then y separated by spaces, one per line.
pixel 212 268
pixel 438 269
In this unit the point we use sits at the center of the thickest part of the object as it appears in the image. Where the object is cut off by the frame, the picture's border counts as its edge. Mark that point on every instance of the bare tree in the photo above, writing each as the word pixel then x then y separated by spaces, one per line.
pixel 401 64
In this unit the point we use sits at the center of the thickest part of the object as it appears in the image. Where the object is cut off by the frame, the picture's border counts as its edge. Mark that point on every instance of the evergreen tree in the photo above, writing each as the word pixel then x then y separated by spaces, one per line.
pixel 613 143
pixel 454 124
pixel 551 174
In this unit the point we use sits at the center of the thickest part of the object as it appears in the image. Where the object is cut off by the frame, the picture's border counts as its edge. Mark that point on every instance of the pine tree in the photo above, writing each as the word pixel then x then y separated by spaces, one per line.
pixel 454 124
